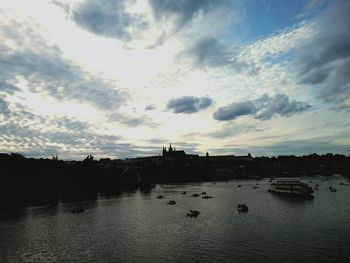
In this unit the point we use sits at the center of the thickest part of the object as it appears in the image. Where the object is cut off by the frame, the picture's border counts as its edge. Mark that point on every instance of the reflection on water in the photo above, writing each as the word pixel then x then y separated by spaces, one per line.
pixel 135 226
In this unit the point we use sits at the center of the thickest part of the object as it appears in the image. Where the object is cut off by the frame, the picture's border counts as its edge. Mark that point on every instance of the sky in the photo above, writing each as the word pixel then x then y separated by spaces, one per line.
pixel 121 79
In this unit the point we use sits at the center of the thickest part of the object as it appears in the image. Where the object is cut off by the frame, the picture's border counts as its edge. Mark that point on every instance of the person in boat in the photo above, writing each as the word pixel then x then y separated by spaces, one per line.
pixel 242 208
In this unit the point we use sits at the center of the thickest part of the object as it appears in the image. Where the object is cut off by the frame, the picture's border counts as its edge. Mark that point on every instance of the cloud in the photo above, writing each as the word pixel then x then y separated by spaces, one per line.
pixel 8 88
pixel 210 52
pixel 311 4
pixel 131 121
pixel 298 147
pixel 47 71
pixel 68 141
pixel 183 10
pixel 233 129
pixel 109 18
pixel 188 104
pixel 150 107
pixel 280 104
pixel 69 124
pixel 159 41
pixel 263 108
pixel 287 147
pixel 235 110
pixel 4 109
pixel 324 59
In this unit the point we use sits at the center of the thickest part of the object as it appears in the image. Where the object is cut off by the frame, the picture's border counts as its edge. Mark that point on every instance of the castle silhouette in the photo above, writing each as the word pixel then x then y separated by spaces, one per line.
pixel 171 152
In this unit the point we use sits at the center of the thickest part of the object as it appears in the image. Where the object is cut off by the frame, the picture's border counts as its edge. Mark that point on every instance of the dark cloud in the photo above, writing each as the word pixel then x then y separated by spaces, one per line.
pixel 280 104
pixel 235 110
pixel 109 18
pixel 184 10
pixel 8 88
pixel 48 72
pixel 209 51
pixel 263 108
pixel 150 107
pixel 69 124
pixel 4 108
pixel 324 59
pixel 188 104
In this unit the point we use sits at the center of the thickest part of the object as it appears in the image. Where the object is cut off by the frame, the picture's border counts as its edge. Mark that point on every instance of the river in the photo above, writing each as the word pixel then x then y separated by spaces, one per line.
pixel 138 227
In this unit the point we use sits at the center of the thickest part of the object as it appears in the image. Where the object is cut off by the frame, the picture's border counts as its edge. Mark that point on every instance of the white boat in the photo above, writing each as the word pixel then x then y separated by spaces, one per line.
pixel 291 187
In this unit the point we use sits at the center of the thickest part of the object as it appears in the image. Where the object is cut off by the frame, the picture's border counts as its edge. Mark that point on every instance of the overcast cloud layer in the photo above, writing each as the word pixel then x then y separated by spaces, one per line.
pixel 122 78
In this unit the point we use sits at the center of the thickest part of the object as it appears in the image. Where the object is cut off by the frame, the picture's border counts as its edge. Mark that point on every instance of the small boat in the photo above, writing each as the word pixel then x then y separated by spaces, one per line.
pixel 332 189
pixel 203 193
pixel 195 195
pixel 239 185
pixel 242 208
pixel 159 197
pixel 183 193
pixel 207 197
pixel 193 213
pixel 172 202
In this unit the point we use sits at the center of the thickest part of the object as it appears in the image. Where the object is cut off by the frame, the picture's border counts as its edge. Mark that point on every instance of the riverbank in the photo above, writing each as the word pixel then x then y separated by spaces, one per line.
pixel 50 179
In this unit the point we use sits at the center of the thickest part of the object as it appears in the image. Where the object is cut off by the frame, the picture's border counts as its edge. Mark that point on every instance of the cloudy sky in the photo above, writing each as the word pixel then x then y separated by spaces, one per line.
pixel 122 78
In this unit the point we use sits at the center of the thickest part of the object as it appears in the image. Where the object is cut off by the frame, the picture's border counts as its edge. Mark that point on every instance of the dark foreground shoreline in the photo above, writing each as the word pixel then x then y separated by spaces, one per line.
pixel 25 180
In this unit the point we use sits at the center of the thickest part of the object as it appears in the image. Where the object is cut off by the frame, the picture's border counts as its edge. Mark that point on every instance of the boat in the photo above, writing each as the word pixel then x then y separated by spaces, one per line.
pixel 242 208
pixel 159 197
pixel 195 195
pixel 207 197
pixel 332 189
pixel 171 202
pixel 193 213
pixel 291 187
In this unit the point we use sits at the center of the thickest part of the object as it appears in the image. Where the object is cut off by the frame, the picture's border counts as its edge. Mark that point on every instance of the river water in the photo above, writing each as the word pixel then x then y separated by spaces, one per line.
pixel 138 227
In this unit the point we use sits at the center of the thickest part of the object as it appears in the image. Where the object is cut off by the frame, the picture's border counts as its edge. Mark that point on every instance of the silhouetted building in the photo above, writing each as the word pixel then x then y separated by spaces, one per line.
pixel 172 152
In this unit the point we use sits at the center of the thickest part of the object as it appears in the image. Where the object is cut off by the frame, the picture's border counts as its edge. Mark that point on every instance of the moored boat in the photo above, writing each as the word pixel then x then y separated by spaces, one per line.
pixel 291 187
